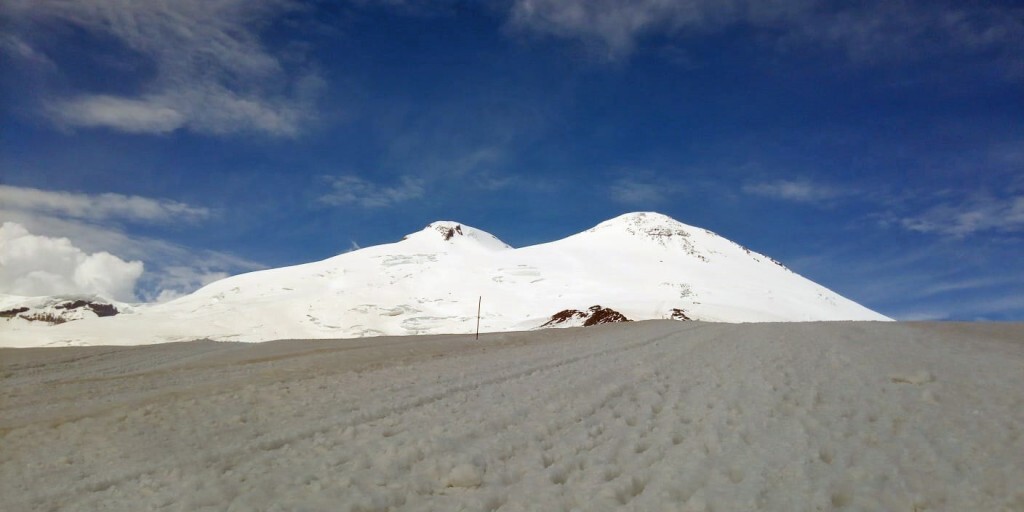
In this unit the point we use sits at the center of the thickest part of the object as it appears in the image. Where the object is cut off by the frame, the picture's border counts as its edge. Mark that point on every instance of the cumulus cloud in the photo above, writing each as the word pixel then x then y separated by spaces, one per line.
pixel 81 231
pixel 34 265
pixel 353 190
pixel 213 74
pixel 99 206
pixel 975 215
pixel 866 31
pixel 793 190
pixel 171 270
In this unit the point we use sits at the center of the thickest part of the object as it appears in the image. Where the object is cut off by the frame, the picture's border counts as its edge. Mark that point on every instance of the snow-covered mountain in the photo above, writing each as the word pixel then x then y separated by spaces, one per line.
pixel 642 265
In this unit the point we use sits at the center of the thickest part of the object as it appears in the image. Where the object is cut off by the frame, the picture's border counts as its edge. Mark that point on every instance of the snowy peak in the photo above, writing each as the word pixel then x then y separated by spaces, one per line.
pixel 641 222
pixel 702 244
pixel 646 225
pixel 446 233
pixel 653 228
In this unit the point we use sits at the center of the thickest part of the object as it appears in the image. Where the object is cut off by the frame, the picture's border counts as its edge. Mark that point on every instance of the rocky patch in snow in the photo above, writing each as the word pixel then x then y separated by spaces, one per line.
pixel 679 314
pixel 594 315
pixel 566 316
pixel 599 315
pixel 101 309
pixel 59 311
pixel 448 232
pixel 11 313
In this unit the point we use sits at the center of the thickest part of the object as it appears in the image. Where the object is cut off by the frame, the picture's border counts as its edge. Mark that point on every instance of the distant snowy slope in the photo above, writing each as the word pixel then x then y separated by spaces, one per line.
pixel 643 265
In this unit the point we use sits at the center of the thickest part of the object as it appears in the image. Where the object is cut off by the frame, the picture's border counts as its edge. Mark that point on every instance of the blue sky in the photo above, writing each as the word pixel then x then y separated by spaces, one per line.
pixel 877 149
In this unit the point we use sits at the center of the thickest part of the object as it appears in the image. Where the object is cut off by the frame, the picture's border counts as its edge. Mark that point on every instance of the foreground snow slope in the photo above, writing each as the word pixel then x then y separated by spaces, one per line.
pixel 642 416
pixel 643 265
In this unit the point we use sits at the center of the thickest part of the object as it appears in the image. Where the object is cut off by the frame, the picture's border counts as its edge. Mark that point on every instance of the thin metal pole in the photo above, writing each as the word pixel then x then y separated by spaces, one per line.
pixel 479 303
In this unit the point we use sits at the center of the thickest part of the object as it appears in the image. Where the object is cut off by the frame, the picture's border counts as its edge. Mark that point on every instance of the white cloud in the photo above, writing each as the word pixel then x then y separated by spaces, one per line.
pixel 99 206
pixel 353 190
pixel 79 228
pixel 170 269
pixel 125 114
pixel 793 190
pixel 975 215
pixel 38 265
pixel 213 74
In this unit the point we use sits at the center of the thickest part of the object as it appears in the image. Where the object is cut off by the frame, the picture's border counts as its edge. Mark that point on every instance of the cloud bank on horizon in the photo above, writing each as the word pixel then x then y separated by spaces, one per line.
pixel 874 147
pixel 72 258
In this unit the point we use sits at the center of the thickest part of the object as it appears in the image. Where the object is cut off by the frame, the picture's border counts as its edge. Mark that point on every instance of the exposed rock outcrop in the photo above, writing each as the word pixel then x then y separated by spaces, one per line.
pixel 679 314
pixel 594 315
pixel 10 313
pixel 61 311
pixel 101 309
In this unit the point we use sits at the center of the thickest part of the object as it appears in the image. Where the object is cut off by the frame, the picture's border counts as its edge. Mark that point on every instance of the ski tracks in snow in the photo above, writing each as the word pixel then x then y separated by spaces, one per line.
pixel 652 416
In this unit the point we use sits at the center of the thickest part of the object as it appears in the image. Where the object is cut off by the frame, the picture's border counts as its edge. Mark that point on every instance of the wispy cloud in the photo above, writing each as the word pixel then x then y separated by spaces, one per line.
pixel 99 206
pixel 353 190
pixel 967 285
pixel 799 191
pixel 615 25
pixel 997 306
pixel 929 278
pixel 978 214
pixel 16 47
pixel 639 192
pixel 213 74
pixel 865 31
pixel 894 31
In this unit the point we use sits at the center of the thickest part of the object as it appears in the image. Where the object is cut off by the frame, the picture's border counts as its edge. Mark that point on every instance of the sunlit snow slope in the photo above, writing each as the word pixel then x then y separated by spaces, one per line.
pixel 644 265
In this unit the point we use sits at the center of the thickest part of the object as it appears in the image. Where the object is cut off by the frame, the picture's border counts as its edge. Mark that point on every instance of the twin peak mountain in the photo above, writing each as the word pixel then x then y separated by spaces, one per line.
pixel 637 266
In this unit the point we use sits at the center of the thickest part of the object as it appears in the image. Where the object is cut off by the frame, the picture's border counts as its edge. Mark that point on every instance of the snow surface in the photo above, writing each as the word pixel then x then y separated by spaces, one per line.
pixel 642 265
pixel 644 416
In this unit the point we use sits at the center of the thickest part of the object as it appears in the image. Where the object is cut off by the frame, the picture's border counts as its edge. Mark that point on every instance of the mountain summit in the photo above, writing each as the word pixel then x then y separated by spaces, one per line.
pixel 456 234
pixel 636 266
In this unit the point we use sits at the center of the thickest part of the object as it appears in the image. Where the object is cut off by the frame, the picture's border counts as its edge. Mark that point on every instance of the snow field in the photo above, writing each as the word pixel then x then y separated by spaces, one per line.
pixel 643 416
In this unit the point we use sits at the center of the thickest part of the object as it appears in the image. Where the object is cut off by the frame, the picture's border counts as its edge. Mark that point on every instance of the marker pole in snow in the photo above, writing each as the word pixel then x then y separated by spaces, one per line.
pixel 479 303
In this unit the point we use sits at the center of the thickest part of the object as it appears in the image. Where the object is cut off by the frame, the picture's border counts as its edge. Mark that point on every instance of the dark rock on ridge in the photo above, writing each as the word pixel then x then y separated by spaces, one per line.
pixel 594 315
